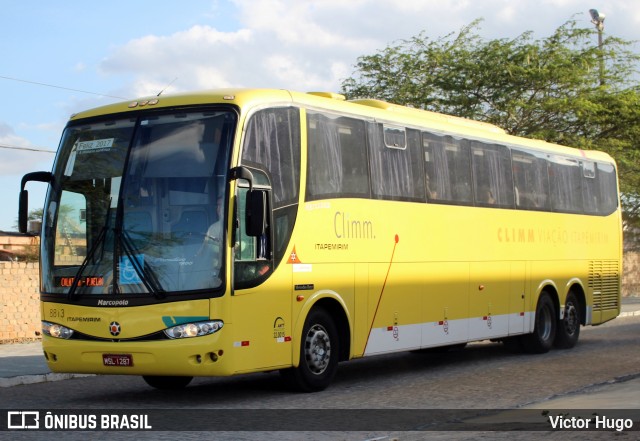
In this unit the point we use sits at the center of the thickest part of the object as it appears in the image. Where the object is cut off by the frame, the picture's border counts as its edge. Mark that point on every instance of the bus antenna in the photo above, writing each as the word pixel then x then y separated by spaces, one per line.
pixel 167 86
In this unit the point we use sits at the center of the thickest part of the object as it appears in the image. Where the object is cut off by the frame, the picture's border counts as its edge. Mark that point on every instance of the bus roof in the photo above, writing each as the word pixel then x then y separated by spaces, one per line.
pixel 369 108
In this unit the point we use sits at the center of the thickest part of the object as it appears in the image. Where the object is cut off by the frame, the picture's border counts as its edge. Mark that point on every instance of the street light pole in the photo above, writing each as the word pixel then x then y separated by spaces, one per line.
pixel 597 18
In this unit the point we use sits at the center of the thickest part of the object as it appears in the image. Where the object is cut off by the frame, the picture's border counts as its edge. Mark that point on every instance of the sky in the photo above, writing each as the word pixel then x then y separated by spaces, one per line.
pixel 58 58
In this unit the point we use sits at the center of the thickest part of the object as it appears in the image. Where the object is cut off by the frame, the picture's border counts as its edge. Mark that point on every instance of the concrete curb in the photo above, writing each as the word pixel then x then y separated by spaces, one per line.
pixel 38 378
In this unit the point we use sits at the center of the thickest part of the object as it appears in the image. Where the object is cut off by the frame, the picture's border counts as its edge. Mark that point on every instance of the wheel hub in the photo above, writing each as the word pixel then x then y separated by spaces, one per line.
pixel 317 349
pixel 571 319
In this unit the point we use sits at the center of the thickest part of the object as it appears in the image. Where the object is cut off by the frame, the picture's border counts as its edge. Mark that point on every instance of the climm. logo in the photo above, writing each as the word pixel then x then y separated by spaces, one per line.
pixel 345 227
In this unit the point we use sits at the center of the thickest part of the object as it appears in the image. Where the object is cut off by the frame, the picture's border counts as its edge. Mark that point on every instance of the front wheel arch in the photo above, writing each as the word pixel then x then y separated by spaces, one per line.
pixel 335 306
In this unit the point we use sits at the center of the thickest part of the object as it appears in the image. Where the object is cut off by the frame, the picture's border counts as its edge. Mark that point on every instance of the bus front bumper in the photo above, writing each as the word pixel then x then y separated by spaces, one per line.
pixel 198 356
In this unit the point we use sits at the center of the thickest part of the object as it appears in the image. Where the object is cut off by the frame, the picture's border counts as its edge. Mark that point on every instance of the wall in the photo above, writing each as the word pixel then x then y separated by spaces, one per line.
pixel 20 302
pixel 631 276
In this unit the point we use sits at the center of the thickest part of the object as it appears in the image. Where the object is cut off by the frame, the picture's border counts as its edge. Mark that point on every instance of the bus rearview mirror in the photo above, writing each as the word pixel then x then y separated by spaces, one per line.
pixel 23 207
pixel 256 216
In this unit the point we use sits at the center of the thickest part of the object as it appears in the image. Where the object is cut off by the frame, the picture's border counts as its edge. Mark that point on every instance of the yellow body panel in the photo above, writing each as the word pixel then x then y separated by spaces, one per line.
pixel 406 275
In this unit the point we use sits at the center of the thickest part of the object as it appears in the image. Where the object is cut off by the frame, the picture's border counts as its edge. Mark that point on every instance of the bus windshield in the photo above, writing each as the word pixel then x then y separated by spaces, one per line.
pixel 136 205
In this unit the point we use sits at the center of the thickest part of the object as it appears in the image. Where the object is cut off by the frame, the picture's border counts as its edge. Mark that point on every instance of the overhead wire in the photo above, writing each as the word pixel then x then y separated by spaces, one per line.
pixel 61 87
pixel 42 150
pixel 30 149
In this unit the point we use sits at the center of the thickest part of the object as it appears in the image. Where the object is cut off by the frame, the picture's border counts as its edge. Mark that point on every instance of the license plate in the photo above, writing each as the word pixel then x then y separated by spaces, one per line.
pixel 117 359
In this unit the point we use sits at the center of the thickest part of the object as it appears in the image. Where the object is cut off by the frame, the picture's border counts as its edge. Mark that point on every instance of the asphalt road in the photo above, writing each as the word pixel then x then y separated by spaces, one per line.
pixel 470 382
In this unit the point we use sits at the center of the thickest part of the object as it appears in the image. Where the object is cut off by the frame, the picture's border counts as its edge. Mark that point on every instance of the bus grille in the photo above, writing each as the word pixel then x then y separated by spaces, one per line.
pixel 604 279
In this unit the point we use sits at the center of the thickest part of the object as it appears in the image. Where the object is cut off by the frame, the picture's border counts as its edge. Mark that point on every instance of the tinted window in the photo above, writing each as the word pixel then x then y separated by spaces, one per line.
pixel 590 188
pixel 337 165
pixel 493 184
pixel 447 169
pixel 608 188
pixel 396 169
pixel 565 176
pixel 272 144
pixel 531 180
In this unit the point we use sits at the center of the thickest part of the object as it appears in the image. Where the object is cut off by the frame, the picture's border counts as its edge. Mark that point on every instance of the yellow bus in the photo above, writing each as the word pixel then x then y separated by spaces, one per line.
pixel 237 231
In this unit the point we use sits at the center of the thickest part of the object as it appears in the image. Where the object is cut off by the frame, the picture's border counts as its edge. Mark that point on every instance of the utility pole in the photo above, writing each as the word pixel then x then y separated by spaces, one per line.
pixel 597 18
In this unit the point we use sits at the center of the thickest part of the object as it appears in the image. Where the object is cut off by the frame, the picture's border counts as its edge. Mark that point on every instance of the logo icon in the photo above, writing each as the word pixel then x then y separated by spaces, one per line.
pixel 114 328
pixel 23 420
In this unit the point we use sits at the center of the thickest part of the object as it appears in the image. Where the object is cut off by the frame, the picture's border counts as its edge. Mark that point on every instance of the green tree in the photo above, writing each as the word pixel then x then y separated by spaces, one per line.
pixel 34 215
pixel 552 89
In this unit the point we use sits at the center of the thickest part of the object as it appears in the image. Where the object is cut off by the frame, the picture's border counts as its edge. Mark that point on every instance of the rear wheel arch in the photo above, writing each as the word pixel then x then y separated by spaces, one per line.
pixel 572 317
pixel 549 288
pixel 545 324
pixel 578 291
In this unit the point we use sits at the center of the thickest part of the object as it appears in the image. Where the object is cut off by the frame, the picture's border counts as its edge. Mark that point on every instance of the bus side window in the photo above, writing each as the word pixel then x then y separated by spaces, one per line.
pixel 608 188
pixel 337 164
pixel 590 188
pixel 272 146
pixel 492 175
pixel 395 165
pixel 565 178
pixel 447 169
pixel 531 180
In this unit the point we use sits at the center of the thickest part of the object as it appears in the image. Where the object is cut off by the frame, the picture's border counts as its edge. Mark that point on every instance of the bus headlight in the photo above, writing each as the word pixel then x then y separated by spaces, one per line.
pixel 198 329
pixel 57 331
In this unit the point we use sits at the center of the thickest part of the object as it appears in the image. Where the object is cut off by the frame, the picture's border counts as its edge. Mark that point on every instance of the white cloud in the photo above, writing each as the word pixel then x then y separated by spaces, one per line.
pixel 200 57
pixel 314 44
pixel 195 45
pixel 289 44
pixel 313 24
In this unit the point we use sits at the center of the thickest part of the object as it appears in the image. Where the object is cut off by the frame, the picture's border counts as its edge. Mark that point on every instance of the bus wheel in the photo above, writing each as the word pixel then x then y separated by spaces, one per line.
pixel 569 327
pixel 318 354
pixel 544 331
pixel 167 382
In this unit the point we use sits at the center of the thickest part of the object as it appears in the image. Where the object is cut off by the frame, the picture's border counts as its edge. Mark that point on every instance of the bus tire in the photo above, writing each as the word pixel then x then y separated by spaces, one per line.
pixel 167 382
pixel 544 330
pixel 568 330
pixel 319 351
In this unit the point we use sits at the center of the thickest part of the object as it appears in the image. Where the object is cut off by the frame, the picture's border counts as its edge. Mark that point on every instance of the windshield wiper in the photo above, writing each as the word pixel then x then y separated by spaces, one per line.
pixel 71 295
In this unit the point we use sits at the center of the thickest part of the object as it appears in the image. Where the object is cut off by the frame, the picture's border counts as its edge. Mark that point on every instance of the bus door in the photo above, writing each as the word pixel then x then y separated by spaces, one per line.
pixel 261 298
